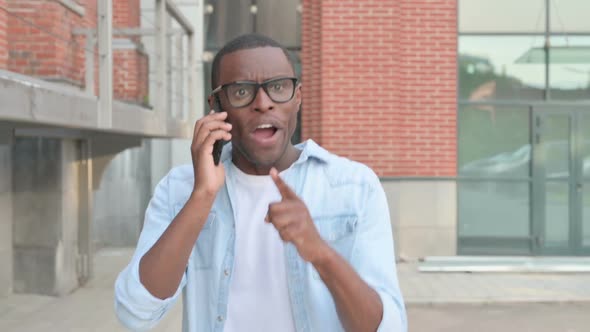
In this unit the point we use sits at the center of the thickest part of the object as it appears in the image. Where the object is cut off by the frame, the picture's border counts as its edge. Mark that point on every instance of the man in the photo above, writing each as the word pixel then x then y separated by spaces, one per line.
pixel 276 237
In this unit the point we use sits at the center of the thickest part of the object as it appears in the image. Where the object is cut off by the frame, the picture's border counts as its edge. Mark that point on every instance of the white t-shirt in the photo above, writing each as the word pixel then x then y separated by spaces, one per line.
pixel 258 294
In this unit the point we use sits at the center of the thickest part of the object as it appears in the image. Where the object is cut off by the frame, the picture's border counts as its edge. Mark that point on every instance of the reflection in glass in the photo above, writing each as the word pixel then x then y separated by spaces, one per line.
pixel 557 215
pixel 569 68
pixel 555 145
pixel 569 16
pixel 586 214
pixel 494 141
pixel 488 68
pixel 494 209
pixel 502 16
pixel 279 20
pixel 228 20
pixel 584 132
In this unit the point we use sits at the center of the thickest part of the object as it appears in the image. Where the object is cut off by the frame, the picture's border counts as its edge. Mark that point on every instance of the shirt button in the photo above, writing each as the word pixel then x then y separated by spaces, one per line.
pixel 226 272
pixel 219 318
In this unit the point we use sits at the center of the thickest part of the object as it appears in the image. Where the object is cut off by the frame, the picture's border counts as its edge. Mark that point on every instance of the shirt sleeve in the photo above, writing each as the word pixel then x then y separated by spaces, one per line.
pixel 135 306
pixel 374 257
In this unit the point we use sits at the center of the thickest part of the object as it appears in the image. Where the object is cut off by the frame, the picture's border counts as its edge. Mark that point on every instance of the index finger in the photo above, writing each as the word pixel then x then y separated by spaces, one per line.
pixel 283 187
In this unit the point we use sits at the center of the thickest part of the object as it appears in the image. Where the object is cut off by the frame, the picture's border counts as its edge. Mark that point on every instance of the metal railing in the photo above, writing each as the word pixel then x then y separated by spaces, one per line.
pixel 171 52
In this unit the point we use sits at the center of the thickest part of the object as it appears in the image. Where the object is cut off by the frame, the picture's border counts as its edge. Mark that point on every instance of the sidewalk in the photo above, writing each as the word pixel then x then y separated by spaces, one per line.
pixel 90 308
pixel 493 287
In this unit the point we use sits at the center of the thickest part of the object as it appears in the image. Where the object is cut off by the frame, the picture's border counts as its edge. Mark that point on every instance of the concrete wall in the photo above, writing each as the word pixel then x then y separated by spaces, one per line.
pixel 122 197
pixel 5 220
pixel 423 216
pixel 45 213
pixel 127 186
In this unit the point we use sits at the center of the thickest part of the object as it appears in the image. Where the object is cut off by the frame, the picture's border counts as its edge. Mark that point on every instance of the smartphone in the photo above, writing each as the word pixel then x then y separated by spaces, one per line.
pixel 218 145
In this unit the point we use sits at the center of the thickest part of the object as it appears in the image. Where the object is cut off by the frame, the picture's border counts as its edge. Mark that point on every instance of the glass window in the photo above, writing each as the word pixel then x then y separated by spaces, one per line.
pixel 557 214
pixel 279 20
pixel 569 67
pixel 494 209
pixel 569 16
pixel 485 16
pixel 586 214
pixel 584 144
pixel 228 20
pixel 490 67
pixel 494 141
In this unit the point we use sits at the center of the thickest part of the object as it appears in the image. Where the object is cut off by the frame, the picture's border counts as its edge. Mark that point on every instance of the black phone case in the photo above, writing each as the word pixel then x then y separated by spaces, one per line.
pixel 218 145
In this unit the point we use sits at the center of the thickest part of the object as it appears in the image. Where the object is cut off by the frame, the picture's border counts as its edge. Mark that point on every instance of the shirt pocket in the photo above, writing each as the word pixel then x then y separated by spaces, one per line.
pixel 202 252
pixel 339 232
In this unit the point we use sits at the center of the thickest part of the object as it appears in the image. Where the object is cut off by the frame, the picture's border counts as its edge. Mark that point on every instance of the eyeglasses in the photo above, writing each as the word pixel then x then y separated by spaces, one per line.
pixel 243 93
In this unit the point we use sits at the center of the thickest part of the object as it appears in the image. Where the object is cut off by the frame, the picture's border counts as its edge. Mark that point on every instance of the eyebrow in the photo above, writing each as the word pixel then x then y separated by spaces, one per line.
pixel 256 82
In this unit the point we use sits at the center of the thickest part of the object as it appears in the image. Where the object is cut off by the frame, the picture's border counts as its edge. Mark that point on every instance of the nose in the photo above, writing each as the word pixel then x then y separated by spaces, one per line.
pixel 262 102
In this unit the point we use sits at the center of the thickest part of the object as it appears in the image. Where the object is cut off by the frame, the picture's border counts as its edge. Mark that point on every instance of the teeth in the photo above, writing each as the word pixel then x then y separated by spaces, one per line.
pixel 264 126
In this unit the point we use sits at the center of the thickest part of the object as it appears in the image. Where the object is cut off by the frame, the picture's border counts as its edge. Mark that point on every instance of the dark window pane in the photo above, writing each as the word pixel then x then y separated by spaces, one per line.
pixel 228 20
pixel 492 68
pixel 279 20
pixel 494 141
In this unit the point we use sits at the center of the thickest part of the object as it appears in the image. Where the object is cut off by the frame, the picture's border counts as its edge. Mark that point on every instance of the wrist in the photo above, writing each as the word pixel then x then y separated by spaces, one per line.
pixel 324 256
pixel 202 195
pixel 202 198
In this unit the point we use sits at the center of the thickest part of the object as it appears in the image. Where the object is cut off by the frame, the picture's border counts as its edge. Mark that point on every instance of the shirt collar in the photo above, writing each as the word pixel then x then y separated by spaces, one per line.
pixel 309 149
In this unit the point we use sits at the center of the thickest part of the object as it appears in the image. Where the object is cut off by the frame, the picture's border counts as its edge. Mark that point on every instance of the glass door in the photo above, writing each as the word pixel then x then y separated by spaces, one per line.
pixel 583 185
pixel 553 182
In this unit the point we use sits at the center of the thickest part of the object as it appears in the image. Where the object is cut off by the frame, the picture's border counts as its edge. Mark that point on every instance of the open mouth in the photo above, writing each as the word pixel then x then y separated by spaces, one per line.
pixel 265 131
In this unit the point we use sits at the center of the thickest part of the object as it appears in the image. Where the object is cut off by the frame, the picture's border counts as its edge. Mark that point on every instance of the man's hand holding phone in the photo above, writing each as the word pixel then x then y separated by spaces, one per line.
pixel 208 177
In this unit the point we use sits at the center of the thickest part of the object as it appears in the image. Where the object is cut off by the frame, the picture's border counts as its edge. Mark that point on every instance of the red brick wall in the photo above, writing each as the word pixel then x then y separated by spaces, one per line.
pixel 379 83
pixel 311 57
pixel 126 13
pixel 3 40
pixel 130 79
pixel 41 42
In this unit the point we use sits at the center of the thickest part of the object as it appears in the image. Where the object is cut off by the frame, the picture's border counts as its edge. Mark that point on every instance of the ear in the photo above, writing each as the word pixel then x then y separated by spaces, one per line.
pixel 211 101
pixel 299 96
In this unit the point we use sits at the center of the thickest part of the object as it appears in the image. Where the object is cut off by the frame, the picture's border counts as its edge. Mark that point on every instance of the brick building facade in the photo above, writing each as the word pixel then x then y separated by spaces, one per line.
pixel 45 39
pixel 380 87
pixel 382 83
pixel 441 104
pixel 53 153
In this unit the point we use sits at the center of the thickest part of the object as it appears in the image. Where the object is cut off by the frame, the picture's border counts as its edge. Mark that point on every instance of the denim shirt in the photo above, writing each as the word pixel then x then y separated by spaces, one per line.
pixel 349 208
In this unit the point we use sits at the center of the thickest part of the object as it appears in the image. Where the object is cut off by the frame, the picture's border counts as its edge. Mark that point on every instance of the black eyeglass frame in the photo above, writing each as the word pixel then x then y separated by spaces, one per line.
pixel 257 87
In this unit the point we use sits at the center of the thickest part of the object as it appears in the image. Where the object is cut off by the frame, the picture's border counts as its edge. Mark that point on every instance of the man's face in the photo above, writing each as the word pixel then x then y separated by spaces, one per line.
pixel 261 131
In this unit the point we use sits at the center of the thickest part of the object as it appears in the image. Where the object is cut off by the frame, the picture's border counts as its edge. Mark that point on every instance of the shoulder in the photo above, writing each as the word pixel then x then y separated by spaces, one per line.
pixel 183 173
pixel 341 170
pixel 177 184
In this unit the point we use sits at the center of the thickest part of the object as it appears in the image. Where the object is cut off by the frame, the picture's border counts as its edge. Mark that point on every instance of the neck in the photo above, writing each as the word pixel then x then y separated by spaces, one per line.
pixel 250 167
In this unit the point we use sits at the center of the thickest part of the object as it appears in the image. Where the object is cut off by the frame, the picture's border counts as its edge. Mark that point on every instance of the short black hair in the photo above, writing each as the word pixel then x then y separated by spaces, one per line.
pixel 243 42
